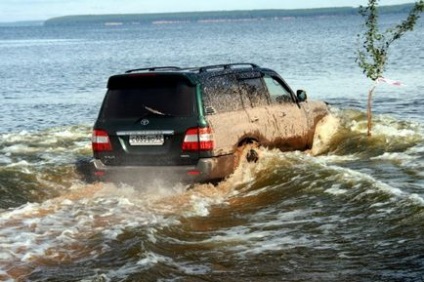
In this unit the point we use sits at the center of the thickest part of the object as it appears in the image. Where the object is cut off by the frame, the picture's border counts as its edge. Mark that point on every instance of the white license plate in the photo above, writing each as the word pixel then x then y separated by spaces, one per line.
pixel 146 140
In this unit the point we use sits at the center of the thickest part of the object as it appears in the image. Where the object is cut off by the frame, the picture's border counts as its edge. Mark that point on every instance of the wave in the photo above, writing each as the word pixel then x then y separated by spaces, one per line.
pixel 41 164
pixel 286 201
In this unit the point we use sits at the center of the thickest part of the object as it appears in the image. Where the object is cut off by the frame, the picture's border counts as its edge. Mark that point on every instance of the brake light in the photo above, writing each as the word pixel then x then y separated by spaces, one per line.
pixel 100 141
pixel 198 139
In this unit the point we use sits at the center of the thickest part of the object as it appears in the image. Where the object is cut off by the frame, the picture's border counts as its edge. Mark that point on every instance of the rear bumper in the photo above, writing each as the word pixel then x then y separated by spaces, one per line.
pixel 206 170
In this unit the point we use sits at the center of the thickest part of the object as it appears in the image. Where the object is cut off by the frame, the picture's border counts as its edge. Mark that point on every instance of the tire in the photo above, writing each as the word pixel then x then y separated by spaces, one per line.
pixel 246 153
pixel 85 170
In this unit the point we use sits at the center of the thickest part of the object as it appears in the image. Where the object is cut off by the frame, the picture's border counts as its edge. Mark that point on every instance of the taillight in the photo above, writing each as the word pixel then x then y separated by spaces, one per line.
pixel 100 141
pixel 198 139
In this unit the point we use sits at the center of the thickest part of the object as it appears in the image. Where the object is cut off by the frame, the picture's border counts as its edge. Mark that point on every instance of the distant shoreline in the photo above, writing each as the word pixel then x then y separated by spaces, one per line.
pixel 22 23
pixel 214 16
pixel 201 17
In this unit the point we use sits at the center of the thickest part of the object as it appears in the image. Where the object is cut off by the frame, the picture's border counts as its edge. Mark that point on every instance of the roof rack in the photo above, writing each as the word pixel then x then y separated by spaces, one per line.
pixel 227 67
pixel 199 69
pixel 154 69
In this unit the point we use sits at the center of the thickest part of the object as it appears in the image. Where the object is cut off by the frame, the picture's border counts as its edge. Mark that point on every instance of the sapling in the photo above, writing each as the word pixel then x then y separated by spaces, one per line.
pixel 373 54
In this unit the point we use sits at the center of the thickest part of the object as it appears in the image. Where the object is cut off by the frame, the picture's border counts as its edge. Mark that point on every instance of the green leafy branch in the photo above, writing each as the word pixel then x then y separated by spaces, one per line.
pixel 373 55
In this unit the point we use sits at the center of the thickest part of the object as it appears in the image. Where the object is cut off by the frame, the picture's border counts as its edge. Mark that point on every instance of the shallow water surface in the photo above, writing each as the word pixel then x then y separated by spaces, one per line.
pixel 354 212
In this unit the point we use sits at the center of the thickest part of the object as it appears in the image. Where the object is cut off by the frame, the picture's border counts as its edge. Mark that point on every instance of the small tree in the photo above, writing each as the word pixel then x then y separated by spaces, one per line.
pixel 372 56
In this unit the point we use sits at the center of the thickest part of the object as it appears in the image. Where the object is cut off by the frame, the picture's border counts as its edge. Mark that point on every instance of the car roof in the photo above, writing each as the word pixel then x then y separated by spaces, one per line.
pixel 194 74
pixel 202 69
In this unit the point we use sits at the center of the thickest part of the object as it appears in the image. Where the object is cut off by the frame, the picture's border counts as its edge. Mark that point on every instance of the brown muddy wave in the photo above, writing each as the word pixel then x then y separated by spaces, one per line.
pixel 349 209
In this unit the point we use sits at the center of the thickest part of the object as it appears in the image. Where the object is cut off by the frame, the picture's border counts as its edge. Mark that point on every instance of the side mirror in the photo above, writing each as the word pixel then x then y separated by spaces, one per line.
pixel 301 95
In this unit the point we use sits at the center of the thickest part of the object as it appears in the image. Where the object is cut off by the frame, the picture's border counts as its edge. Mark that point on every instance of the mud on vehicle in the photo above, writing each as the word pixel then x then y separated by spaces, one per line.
pixel 190 124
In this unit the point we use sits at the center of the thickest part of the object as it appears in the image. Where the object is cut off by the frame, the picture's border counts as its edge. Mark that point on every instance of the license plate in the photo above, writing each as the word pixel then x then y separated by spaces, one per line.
pixel 146 140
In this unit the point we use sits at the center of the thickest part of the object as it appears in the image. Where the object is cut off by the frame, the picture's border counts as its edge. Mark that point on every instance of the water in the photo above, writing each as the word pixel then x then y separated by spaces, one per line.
pixel 353 213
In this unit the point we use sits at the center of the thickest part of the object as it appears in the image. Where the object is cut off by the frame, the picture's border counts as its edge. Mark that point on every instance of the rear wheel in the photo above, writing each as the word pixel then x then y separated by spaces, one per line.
pixel 248 152
pixel 86 170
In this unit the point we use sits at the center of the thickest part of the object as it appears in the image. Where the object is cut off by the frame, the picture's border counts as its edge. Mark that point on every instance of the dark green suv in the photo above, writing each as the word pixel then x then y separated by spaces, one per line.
pixel 186 124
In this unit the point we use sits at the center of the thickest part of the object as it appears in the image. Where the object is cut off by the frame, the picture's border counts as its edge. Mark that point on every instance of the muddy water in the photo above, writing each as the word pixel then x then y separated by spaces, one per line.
pixel 352 214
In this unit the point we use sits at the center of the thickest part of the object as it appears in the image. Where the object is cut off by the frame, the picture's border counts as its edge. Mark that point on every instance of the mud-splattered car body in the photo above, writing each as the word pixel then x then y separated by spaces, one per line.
pixel 189 123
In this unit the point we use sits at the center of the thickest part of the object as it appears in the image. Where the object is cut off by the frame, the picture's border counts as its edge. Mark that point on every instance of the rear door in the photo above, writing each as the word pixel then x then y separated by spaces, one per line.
pixel 146 117
pixel 225 112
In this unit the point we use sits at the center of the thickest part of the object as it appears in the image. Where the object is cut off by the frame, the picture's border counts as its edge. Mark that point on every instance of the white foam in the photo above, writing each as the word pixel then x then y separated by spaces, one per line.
pixel 254 242
pixel 268 232
pixel 57 228
pixel 417 199
pixel 395 156
pixel 14 137
pixel 19 149
pixel 336 158
pixel 152 259
pixel 200 206
pixel 336 190
pixel 392 129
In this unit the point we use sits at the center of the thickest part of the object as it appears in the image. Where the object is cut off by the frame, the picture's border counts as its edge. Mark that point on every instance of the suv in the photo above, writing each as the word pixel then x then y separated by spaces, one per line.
pixel 187 124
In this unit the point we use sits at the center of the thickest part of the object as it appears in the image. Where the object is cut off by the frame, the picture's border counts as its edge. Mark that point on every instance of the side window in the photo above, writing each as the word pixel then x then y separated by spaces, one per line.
pixel 278 93
pixel 221 94
pixel 253 92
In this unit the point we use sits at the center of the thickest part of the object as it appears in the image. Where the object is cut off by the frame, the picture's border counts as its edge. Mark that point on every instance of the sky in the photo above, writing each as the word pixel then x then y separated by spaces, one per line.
pixel 24 10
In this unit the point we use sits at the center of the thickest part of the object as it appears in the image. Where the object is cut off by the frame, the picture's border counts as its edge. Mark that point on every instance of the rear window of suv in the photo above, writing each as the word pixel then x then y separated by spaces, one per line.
pixel 135 96
pixel 222 93
pixel 230 92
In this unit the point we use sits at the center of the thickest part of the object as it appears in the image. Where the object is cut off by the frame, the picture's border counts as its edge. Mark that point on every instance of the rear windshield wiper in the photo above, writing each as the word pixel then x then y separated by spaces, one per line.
pixel 151 111
pixel 154 111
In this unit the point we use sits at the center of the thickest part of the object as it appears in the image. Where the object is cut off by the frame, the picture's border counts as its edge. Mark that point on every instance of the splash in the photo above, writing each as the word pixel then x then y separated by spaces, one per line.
pixel 62 230
pixel 86 222
pixel 326 128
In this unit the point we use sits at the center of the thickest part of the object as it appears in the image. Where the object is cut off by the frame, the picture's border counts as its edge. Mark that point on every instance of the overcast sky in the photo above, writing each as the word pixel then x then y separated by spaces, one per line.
pixel 21 10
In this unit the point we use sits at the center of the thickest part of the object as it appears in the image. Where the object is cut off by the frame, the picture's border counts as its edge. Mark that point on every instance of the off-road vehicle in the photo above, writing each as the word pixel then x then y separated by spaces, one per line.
pixel 188 123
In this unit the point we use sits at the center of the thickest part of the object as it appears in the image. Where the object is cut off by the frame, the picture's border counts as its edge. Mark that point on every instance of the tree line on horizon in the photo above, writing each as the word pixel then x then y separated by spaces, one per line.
pixel 215 15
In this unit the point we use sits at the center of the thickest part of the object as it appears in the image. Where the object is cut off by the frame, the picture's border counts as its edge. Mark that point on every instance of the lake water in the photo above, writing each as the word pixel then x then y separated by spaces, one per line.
pixel 354 213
